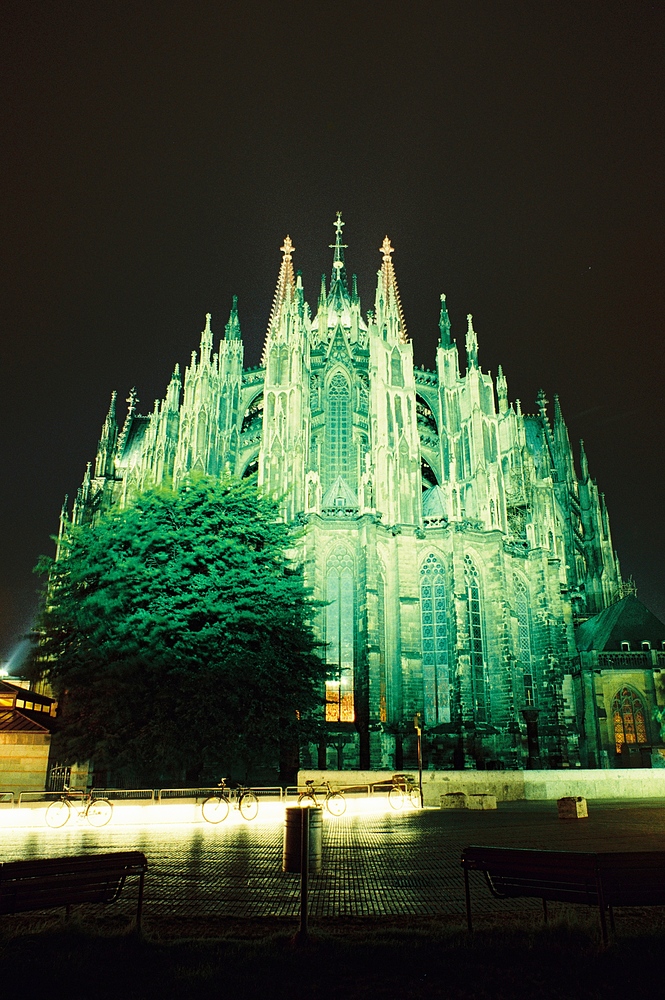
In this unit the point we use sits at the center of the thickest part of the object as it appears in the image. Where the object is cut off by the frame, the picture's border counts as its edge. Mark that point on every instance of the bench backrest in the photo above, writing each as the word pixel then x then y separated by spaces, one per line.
pixel 568 876
pixel 625 877
pixel 48 882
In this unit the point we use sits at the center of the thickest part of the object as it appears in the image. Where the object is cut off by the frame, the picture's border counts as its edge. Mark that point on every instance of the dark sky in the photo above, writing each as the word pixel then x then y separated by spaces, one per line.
pixel 154 156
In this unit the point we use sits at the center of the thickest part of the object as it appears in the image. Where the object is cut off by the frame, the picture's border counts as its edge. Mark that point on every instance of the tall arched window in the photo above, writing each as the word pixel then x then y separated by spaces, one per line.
pixel 436 646
pixel 476 641
pixel 338 428
pixel 340 621
pixel 524 639
pixel 629 718
pixel 396 376
pixel 383 681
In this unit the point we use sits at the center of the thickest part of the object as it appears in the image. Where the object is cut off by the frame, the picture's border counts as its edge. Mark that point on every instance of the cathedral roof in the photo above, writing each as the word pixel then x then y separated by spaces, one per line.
pixel 626 621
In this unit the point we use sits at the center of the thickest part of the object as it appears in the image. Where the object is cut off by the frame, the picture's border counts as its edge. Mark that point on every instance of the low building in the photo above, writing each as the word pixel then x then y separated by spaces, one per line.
pixel 26 720
pixel 620 687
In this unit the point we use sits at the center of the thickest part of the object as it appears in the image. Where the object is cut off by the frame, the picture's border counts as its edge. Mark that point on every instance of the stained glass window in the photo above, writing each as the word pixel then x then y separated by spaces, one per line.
pixel 340 620
pixel 436 648
pixel 383 687
pixel 629 718
pixel 338 427
pixel 524 638
pixel 476 641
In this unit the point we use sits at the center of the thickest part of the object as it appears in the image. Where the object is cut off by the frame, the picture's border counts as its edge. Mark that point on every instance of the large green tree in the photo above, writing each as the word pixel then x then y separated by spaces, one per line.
pixel 177 635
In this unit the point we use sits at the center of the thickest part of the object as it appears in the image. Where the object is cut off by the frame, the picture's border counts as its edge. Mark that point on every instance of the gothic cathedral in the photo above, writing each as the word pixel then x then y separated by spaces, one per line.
pixel 448 535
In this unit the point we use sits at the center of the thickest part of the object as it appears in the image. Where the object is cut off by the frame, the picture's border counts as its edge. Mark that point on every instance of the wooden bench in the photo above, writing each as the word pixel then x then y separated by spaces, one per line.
pixel 49 882
pixel 604 879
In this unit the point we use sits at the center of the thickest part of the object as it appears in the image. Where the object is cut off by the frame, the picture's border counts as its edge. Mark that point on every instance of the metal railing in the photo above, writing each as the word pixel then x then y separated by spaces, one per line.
pixel 264 793
pixel 27 796
pixel 124 794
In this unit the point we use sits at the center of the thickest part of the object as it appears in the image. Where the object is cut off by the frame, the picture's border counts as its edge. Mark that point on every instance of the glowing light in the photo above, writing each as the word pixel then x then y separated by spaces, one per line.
pixel 160 815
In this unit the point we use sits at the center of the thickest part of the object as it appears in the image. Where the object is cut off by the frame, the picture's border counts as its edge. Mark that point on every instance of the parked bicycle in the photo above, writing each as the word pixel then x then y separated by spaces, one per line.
pixel 334 800
pixel 404 789
pixel 98 812
pixel 216 807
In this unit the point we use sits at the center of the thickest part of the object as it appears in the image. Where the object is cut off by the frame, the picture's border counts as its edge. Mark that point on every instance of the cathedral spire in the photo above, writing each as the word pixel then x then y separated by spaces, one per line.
pixel 232 328
pixel 502 390
pixel 444 323
pixel 206 340
pixel 471 343
pixel 389 311
pixel 338 266
pixel 285 288
pixel 584 462
pixel 107 442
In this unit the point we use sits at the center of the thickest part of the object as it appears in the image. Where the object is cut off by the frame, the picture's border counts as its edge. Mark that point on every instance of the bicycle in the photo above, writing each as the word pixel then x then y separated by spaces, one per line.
pixel 216 807
pixel 98 812
pixel 404 789
pixel 334 801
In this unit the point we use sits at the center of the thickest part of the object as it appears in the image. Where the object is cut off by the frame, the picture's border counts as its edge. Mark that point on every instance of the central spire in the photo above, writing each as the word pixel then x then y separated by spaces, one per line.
pixel 338 266
pixel 286 286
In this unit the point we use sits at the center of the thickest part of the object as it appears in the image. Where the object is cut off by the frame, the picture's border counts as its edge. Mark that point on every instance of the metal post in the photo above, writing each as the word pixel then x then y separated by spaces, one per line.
pixel 304 873
pixel 419 735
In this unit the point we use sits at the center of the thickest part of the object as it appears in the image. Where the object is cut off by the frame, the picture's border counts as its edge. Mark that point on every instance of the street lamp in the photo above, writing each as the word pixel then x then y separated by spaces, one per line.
pixel 419 737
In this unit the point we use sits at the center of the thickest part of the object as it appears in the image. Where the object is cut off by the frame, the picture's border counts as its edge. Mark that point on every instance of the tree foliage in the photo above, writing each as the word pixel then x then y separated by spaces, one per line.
pixel 178 636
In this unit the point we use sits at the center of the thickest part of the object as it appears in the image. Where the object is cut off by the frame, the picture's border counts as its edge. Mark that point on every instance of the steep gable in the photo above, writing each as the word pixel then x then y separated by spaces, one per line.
pixel 626 621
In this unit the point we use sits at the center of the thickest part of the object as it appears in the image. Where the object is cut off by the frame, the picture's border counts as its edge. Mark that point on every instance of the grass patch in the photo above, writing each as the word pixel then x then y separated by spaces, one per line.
pixel 409 959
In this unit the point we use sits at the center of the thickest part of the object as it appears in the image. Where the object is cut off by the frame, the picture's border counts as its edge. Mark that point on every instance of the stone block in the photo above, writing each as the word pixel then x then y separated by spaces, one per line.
pixel 454 800
pixel 482 800
pixel 572 807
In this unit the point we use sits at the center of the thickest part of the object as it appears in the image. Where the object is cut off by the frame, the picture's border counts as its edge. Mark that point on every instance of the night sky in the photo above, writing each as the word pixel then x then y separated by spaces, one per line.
pixel 154 155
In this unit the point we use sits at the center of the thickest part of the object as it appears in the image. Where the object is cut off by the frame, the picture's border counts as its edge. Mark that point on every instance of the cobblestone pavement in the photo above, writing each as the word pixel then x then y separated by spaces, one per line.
pixel 376 865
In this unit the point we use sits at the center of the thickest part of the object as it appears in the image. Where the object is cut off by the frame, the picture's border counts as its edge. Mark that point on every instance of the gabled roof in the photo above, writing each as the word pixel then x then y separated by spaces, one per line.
pixel 340 490
pixel 434 502
pixel 626 621
pixel 16 722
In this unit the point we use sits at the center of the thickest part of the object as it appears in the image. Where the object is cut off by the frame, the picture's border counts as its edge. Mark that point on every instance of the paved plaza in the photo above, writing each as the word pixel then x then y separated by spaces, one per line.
pixel 374 865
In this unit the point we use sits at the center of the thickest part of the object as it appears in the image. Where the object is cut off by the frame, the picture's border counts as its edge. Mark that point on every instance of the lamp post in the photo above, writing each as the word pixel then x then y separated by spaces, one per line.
pixel 419 738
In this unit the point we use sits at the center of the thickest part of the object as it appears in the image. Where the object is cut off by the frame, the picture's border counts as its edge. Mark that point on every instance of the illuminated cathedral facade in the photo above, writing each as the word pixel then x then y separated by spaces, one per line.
pixel 449 536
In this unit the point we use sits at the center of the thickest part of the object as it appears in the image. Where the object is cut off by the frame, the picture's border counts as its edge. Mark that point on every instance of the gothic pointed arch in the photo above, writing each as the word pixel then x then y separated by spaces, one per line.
pixel 629 718
pixel 253 416
pixel 436 645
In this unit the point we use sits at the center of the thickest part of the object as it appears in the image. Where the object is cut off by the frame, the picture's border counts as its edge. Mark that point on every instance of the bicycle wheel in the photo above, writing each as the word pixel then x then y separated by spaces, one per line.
pixel 335 803
pixel 215 809
pixel 99 812
pixel 248 805
pixel 396 797
pixel 307 799
pixel 414 797
pixel 58 813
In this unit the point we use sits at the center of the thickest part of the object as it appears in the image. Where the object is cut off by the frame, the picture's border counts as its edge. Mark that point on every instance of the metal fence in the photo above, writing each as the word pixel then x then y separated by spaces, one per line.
pixel 124 794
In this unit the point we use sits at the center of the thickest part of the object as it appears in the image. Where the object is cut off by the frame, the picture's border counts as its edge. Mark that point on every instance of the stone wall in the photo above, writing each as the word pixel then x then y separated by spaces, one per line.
pixel 512 786
pixel 23 761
